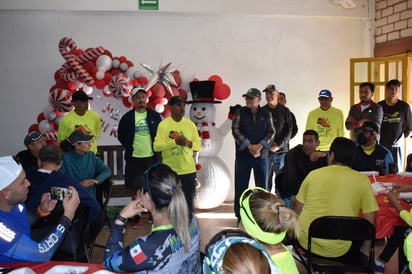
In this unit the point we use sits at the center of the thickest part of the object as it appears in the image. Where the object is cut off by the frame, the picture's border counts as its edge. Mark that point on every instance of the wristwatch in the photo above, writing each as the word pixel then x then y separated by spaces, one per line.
pixel 120 218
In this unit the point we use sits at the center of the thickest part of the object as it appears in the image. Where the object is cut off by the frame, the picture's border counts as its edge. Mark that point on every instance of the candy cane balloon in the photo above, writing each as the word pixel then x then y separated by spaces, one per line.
pixel 72 69
pixel 60 99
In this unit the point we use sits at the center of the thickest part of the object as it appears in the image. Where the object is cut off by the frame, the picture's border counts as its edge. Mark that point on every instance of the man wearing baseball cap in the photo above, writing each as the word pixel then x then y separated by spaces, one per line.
pixel 326 120
pixel 369 154
pixel 15 242
pixel 177 138
pixel 34 141
pixel 81 117
pixel 253 131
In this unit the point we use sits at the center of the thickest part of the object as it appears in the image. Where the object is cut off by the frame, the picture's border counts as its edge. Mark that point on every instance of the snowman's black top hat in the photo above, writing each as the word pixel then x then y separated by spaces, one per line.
pixel 202 92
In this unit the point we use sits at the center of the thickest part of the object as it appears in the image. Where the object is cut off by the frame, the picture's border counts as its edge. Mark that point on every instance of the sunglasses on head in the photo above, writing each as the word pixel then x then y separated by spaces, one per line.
pixel 147 172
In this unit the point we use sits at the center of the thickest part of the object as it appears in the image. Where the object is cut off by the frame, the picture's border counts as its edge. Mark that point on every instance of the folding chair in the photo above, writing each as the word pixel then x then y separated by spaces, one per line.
pixel 103 192
pixel 341 228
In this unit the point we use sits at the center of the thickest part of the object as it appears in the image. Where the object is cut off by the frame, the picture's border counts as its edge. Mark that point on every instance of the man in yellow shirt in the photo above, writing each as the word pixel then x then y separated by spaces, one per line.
pixel 177 138
pixel 334 190
pixel 81 118
pixel 326 120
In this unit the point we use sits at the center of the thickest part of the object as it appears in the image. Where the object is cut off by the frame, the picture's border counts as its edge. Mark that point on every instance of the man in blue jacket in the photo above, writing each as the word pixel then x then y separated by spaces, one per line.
pixel 253 131
pixel 136 132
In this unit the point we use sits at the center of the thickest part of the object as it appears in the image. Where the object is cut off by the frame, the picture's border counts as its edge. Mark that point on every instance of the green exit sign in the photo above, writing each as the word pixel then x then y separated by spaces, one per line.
pixel 148 5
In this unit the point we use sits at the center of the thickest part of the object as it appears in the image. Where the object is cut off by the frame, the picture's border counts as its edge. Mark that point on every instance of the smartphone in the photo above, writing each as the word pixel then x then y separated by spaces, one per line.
pixel 58 193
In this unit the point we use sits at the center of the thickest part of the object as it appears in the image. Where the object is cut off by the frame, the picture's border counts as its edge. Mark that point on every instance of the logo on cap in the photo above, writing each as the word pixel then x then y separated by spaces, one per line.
pixel 325 93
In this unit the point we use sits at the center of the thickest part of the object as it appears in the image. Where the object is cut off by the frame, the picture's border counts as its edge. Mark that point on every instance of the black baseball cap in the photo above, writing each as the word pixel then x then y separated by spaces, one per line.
pixel 176 100
pixel 80 96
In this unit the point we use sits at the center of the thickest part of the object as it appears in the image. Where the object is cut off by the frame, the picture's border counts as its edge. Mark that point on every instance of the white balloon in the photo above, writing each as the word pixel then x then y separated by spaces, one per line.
pixel 164 101
pixel 106 89
pixel 47 109
pixel 45 126
pixel 136 74
pixel 105 62
pixel 130 72
pixel 100 75
pixel 51 116
pixel 116 63
pixel 159 108
pixel 88 90
pixel 124 66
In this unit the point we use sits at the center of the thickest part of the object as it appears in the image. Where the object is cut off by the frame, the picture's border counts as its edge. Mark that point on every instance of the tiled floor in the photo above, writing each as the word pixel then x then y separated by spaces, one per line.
pixel 210 221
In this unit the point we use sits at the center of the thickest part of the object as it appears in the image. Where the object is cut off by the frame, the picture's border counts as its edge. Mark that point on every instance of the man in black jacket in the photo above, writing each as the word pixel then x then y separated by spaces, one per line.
pixel 136 132
pixel 283 123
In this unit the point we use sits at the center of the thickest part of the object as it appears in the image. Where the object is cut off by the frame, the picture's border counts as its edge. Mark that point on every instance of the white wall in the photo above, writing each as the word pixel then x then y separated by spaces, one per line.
pixel 301 46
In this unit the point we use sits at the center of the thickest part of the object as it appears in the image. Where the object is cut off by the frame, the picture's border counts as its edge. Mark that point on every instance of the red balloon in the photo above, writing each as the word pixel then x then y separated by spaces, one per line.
pixel 175 91
pixel 93 70
pixel 158 90
pixel 176 75
pixel 142 80
pixel 126 102
pixel 108 53
pixel 56 75
pixel 216 78
pixel 107 94
pixel 88 66
pixel 72 86
pixel 183 94
pixel 122 59
pixel 115 72
pixel 78 52
pixel 129 63
pixel 166 112
pixel 99 84
pixel 107 77
pixel 33 127
pixel 61 83
pixel 40 117
pixel 221 92
pixel 135 82
pixel 149 93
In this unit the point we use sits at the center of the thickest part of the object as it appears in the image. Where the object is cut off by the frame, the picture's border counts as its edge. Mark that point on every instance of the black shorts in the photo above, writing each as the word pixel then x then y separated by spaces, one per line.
pixel 134 172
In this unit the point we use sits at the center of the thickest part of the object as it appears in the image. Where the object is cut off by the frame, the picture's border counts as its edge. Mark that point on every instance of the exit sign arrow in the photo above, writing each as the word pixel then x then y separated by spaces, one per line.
pixel 148 4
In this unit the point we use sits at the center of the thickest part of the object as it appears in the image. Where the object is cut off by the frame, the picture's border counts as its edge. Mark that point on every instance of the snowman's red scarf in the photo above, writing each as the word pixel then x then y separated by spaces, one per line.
pixel 202 129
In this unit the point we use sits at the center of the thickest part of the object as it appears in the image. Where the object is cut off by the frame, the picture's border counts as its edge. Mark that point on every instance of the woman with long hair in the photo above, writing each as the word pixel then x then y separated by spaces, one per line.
pixel 265 217
pixel 173 244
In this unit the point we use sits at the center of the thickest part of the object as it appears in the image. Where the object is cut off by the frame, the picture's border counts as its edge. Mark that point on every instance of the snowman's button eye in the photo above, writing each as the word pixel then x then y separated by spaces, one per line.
pixel 194 108
pixel 203 108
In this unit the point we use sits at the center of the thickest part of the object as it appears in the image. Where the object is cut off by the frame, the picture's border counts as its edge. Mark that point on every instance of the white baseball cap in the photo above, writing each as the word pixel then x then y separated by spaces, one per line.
pixel 9 171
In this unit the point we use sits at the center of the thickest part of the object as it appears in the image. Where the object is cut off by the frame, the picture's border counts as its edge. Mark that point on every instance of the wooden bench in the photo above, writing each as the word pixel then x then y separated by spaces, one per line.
pixel 113 157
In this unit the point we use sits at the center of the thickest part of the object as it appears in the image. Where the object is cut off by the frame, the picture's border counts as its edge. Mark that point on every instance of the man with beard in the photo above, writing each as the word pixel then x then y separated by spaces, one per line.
pixel 136 132
pixel 369 154
pixel 365 111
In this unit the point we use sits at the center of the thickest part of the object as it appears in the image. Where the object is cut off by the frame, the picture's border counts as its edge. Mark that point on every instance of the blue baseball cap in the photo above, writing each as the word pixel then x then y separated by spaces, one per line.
pixel 325 93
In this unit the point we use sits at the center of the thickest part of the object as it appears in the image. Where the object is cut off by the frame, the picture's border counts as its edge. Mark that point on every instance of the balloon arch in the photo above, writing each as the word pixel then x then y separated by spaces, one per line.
pixel 97 72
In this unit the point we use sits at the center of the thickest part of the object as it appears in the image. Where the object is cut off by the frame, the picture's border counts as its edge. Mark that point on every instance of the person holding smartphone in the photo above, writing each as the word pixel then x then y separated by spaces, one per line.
pixel 15 242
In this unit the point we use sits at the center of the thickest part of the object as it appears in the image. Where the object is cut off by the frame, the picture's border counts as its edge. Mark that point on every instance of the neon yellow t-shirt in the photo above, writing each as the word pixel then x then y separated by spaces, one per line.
pixel 89 123
pixel 334 190
pixel 285 262
pixel 142 142
pixel 179 158
pixel 329 124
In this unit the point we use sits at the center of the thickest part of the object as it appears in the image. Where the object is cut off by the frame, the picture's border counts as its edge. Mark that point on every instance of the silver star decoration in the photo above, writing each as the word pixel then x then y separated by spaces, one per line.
pixel 163 75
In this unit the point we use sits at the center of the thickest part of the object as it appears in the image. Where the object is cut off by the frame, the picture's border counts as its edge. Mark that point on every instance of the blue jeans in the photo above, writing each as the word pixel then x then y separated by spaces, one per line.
pixel 277 161
pixel 243 167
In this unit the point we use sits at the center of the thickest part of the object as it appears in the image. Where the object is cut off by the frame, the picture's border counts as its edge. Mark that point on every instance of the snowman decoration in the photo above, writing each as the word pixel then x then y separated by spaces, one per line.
pixel 212 174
